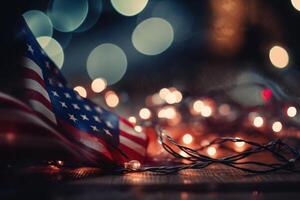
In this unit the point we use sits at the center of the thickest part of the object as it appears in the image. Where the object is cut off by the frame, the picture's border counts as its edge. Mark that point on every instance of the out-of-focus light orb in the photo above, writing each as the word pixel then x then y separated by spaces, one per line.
pixel 224 109
pixel 81 91
pixel 145 113
pixel 198 106
pixel 211 151
pixel 279 57
pixel 187 138
pixel 94 12
pixel 132 119
pixel 277 126
pixel 67 16
pixel 206 111
pixel 291 111
pixel 153 36
pixel 53 50
pixel 129 7
pixel 164 92
pixel 108 61
pixel 171 98
pixel 178 96
pixel 111 99
pixel 98 85
pixel 39 23
pixel 258 121
pixel 239 144
pixel 296 4
pixel 167 112
pixel 138 129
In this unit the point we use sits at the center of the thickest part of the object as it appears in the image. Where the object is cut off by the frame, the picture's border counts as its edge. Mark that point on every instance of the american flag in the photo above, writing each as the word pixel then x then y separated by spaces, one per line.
pixel 99 135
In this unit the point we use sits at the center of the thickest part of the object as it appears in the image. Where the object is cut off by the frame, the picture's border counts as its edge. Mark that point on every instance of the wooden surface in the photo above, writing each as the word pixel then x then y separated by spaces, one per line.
pixel 215 182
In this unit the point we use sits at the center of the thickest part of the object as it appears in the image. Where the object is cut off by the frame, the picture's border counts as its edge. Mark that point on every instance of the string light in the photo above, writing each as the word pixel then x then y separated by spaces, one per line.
pixel 258 121
pixel 277 126
pixel 145 113
pixel 132 165
pixel 239 144
pixel 138 129
pixel 164 92
pixel 279 57
pixel 168 112
pixel 81 91
pixel 132 119
pixel 111 99
pixel 206 111
pixel 211 151
pixel 187 138
pixel 198 106
pixel 291 111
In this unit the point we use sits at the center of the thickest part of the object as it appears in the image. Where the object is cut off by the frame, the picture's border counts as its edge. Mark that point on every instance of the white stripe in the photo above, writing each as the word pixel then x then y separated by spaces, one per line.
pixel 30 64
pixel 132 145
pixel 39 107
pixel 36 86
pixel 129 130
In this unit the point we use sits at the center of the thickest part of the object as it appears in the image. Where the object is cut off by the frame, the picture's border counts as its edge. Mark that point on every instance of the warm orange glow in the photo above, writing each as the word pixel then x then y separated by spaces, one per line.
pixel 239 144
pixel 224 109
pixel 170 98
pixel 258 121
pixel 206 111
pixel 183 154
pixel 138 129
pixel 164 92
pixel 187 138
pixel 98 85
pixel 178 96
pixel 291 111
pixel 145 113
pixel 81 91
pixel 279 57
pixel 132 165
pixel 211 151
pixel 132 119
pixel 167 112
pixel 111 99
pixel 277 126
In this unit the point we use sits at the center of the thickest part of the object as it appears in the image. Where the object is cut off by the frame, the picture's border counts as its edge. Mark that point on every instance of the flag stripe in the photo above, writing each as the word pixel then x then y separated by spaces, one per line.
pixel 132 145
pixel 36 86
pixel 30 94
pixel 30 64
pixel 40 108
pixel 124 127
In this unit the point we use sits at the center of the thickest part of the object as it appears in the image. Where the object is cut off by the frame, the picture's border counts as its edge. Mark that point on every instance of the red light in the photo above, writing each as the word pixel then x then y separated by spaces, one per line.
pixel 266 94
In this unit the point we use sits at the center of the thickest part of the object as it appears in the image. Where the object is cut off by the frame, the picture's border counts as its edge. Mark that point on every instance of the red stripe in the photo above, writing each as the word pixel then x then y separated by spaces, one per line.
pixel 30 74
pixel 134 139
pixel 133 155
pixel 31 94
pixel 126 122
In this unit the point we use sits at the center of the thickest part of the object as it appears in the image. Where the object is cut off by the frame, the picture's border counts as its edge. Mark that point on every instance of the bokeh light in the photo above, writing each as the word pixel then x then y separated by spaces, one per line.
pixel 239 144
pixel 39 23
pixel 129 7
pixel 168 112
pixel 111 99
pixel 198 106
pixel 164 92
pixel 277 126
pixel 94 12
pixel 296 4
pixel 211 151
pixel 81 91
pixel 132 119
pixel 98 85
pixel 291 111
pixel 279 57
pixel 138 129
pixel 153 36
pixel 206 111
pixel 67 16
pixel 107 61
pixel 145 113
pixel 258 121
pixel 53 50
pixel 187 138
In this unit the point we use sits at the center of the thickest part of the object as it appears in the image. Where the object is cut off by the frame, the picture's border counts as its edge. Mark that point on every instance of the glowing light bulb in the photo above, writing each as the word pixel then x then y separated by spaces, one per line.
pixel 138 129
pixel 211 151
pixel 240 143
pixel 164 92
pixel 279 57
pixel 198 105
pixel 60 163
pixel 145 113
pixel 98 85
pixel 258 121
pixel 291 111
pixel 277 126
pixel 206 111
pixel 183 154
pixel 132 119
pixel 187 138
pixel 132 165
pixel 111 99
pixel 81 91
